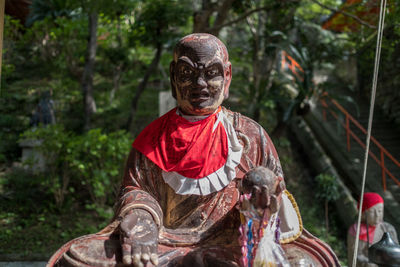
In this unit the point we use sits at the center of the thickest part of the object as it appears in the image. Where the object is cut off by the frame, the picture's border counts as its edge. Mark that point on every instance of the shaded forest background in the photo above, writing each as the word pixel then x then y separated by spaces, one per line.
pixel 103 63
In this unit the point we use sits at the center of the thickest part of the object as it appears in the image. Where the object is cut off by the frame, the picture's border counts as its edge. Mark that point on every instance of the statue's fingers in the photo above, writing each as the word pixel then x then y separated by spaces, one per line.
pixel 126 253
pixel 255 192
pixel 136 256
pixel 154 259
pixel 274 205
pixel 264 197
pixel 145 254
pixel 255 196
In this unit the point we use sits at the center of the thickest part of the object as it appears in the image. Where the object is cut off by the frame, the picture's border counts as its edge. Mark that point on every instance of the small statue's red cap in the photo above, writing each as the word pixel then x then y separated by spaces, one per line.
pixel 370 200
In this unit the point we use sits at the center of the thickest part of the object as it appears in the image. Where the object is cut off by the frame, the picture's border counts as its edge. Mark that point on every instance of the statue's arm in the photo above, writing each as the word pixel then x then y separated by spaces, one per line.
pixel 139 212
pixel 138 188
pixel 392 231
pixel 258 148
pixel 362 256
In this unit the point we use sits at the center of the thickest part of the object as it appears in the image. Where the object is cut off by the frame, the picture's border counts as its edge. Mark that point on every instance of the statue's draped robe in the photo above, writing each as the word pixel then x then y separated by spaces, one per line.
pixel 194 224
pixel 375 234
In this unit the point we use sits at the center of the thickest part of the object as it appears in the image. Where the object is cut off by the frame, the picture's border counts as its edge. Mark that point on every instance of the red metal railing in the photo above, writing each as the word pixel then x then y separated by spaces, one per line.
pixel 350 134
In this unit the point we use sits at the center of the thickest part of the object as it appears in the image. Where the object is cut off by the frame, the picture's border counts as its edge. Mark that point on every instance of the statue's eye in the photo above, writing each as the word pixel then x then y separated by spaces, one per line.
pixel 212 72
pixel 186 71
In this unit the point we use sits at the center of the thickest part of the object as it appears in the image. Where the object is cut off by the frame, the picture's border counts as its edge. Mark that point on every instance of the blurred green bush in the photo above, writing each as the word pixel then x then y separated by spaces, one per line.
pixel 85 168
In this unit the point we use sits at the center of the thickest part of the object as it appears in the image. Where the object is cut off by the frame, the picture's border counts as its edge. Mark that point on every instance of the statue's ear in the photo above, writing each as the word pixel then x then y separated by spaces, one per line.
pixel 172 78
pixel 228 79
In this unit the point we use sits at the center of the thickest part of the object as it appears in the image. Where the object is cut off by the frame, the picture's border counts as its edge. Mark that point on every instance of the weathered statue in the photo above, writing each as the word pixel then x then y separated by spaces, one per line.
pixel 44 113
pixel 372 229
pixel 179 198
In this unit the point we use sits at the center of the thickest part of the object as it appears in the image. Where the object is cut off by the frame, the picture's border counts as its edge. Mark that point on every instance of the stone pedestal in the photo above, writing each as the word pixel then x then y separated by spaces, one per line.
pixel 32 157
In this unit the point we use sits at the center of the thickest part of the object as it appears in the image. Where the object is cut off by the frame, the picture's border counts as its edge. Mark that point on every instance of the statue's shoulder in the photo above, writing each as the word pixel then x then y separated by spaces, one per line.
pixel 388 227
pixel 241 122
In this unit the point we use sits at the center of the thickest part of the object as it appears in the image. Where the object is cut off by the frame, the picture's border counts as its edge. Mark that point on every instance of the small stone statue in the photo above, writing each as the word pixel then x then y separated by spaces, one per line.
pixel 44 113
pixel 372 229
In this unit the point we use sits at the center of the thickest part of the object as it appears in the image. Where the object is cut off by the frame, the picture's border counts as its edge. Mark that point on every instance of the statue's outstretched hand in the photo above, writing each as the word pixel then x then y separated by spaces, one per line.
pixel 264 188
pixel 139 238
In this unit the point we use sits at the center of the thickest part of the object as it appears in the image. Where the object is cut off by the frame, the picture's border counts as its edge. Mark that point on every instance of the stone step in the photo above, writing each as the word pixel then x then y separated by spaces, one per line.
pixel 350 164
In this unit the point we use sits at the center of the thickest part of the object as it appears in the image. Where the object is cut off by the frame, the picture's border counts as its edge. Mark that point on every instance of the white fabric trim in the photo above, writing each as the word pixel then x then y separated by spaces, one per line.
pixel 217 180
pixel 290 223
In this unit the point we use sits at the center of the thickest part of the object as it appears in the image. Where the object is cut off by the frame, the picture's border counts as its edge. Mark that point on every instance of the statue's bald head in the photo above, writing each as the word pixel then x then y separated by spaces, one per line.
pixel 200 73
pixel 201 45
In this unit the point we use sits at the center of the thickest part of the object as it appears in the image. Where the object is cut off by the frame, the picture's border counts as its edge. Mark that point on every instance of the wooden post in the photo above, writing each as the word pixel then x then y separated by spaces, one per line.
pixel 2 7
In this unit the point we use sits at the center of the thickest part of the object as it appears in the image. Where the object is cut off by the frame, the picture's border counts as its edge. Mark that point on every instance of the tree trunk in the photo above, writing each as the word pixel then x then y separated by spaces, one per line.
pixel 201 19
pixel 279 129
pixel 87 79
pixel 326 218
pixel 142 86
pixel 223 12
pixel 281 124
pixel 117 75
pixel 119 67
pixel 256 70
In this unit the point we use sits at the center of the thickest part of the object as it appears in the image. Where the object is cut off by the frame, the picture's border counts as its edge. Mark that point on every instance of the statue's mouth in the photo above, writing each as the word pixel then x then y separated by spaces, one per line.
pixel 200 96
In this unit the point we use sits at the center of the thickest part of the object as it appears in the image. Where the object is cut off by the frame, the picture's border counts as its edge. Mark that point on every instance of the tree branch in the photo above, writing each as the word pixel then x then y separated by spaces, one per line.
pixel 245 15
pixel 362 22
pixel 222 14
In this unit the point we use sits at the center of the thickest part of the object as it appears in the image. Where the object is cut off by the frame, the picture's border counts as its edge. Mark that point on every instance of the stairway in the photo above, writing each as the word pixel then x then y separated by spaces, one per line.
pixel 350 163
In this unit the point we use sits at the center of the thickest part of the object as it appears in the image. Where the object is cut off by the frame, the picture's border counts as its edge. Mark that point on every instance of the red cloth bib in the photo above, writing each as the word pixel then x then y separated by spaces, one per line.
pixel 192 149
pixel 363 232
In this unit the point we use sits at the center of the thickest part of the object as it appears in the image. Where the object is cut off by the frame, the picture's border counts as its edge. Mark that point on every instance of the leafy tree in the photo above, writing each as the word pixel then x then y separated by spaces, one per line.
pixel 263 31
pixel 388 96
pixel 213 16
pixel 313 48
pixel 269 86
pixel 327 190
pixel 91 10
pixel 80 165
pixel 157 24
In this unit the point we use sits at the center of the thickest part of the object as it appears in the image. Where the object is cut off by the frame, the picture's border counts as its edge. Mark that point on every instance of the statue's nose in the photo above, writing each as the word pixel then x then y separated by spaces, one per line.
pixel 201 83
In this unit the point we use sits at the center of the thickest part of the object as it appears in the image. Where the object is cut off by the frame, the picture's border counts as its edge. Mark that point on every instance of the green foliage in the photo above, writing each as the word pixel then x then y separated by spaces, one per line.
pixel 158 22
pixel 327 187
pixel 52 144
pixel 71 197
pixel 268 86
pixel 311 11
pixel 302 185
pixel 96 158
pixel 327 190
pixel 35 234
pixel 12 33
pixel 80 165
pixel 41 9
pixel 313 50
pixel 58 42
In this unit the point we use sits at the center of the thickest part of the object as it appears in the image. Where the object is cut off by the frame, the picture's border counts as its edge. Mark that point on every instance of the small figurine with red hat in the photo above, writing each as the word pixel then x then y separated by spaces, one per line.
pixel 372 229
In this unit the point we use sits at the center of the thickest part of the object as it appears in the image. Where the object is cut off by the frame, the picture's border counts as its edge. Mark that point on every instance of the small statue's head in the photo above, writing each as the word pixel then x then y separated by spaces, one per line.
pixel 372 208
pixel 200 74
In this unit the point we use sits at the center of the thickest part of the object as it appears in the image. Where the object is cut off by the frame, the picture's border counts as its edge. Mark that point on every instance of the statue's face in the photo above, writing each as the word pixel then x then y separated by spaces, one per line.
pixel 374 215
pixel 200 74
